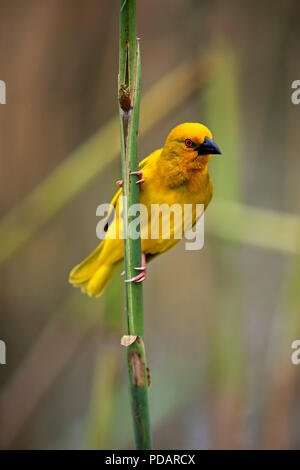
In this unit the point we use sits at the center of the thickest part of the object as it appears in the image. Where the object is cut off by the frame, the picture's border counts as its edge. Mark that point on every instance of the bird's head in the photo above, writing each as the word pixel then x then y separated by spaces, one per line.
pixel 191 142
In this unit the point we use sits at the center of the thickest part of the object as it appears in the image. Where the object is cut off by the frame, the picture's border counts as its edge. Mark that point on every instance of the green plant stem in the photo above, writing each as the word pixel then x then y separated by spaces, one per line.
pixel 129 104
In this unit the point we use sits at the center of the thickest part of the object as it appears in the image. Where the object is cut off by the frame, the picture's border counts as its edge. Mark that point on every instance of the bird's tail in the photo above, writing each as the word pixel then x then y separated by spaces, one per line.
pixel 92 275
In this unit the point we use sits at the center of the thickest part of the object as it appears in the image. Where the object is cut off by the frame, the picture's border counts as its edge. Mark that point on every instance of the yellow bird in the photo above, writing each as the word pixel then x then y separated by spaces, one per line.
pixel 174 174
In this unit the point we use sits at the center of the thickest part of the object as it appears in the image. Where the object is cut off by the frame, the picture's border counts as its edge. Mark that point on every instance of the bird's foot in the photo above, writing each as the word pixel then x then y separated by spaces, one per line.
pixel 139 181
pixel 140 174
pixel 139 278
pixel 142 275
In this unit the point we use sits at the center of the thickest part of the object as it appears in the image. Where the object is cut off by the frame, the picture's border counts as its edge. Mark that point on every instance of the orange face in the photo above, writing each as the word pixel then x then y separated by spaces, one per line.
pixel 192 140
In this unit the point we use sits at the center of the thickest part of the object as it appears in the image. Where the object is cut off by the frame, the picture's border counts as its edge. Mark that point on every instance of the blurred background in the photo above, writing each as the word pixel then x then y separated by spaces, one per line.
pixel 219 322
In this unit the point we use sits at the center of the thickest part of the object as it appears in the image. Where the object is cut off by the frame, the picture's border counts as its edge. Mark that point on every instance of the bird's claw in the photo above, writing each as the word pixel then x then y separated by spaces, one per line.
pixel 139 278
pixel 140 174
pixel 142 275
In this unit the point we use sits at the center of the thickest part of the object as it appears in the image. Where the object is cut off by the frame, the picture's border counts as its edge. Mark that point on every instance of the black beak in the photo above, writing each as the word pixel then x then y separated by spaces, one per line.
pixel 209 147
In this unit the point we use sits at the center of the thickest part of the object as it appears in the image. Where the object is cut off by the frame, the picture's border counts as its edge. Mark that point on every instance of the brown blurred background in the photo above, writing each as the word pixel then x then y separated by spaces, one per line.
pixel 219 322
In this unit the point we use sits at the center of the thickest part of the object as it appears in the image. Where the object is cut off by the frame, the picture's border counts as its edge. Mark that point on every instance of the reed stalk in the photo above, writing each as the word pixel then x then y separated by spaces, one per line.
pixel 129 104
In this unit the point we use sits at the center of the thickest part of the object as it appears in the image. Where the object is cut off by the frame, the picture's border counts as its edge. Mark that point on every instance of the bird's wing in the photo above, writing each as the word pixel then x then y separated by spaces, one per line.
pixel 144 162
pixel 149 160
pixel 114 217
pixel 114 202
pixel 111 213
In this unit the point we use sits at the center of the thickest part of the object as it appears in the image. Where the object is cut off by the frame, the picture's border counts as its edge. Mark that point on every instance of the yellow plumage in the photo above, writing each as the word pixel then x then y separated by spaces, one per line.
pixel 174 174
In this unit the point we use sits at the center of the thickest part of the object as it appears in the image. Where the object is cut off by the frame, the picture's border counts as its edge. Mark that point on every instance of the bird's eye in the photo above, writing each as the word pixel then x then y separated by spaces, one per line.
pixel 188 143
